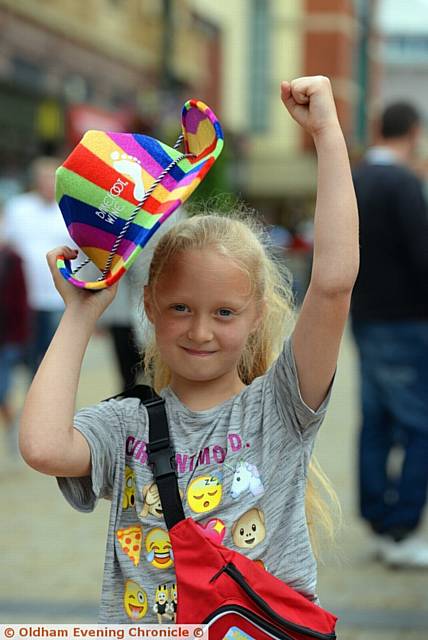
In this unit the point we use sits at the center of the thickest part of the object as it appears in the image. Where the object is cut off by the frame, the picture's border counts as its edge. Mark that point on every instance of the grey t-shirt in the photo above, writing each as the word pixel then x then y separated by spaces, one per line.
pixel 241 470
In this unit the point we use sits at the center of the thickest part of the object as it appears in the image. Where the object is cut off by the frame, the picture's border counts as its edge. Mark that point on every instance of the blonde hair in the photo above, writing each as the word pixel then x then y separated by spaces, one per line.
pixel 242 238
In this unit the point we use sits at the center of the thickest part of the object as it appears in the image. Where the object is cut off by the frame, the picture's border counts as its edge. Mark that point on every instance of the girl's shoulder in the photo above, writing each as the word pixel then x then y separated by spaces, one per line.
pixel 124 407
pixel 116 413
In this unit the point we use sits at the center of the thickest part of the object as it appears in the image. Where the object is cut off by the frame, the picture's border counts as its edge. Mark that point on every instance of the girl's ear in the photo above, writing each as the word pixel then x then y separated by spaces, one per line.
pixel 148 303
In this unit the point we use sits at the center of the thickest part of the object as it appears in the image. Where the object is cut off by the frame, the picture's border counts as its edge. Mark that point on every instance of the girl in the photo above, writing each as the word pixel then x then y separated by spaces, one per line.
pixel 243 403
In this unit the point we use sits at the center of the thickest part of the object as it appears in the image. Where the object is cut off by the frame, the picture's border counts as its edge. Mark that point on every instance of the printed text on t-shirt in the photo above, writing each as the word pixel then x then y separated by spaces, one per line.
pixel 213 454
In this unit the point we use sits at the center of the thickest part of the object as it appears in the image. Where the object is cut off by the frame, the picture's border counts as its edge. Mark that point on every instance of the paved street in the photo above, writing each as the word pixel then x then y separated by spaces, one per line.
pixel 51 556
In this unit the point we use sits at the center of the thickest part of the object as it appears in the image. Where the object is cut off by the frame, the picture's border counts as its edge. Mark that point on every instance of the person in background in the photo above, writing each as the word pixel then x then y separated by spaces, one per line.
pixel 32 225
pixel 13 329
pixel 390 325
pixel 118 321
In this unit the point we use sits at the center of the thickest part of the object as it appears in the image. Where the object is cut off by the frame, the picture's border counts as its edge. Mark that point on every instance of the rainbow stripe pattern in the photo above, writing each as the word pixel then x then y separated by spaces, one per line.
pixel 108 174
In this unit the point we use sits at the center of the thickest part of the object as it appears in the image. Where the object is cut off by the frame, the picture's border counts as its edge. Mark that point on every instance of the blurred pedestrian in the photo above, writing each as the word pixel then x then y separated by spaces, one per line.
pixel 33 224
pixel 118 320
pixel 390 324
pixel 13 329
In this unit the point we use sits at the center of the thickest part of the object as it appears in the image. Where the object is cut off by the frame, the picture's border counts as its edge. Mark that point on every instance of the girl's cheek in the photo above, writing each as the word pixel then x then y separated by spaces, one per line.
pixel 235 336
pixel 168 324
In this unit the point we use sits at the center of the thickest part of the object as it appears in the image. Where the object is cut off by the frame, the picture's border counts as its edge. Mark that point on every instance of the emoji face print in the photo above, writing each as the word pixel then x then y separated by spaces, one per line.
pixel 152 503
pixel 249 529
pixel 204 493
pixel 159 548
pixel 128 499
pixel 135 600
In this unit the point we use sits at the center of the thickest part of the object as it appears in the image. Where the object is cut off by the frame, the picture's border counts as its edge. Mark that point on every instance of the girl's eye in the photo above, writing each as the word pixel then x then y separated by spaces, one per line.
pixel 179 307
pixel 225 313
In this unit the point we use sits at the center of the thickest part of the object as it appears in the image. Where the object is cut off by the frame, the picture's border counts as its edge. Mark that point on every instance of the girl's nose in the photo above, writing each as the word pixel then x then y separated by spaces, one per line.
pixel 200 331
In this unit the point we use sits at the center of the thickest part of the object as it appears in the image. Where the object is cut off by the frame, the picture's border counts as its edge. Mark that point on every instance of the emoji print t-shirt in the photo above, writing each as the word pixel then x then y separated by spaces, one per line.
pixel 241 470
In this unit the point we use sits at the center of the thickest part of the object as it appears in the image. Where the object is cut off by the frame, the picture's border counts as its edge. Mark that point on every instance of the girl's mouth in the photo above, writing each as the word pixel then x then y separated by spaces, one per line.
pixel 194 352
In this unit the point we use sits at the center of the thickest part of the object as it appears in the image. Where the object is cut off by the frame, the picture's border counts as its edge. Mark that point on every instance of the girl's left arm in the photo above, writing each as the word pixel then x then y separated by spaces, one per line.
pixel 320 325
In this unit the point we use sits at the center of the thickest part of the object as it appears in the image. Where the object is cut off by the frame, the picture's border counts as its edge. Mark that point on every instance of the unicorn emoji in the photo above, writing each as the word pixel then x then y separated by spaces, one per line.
pixel 246 478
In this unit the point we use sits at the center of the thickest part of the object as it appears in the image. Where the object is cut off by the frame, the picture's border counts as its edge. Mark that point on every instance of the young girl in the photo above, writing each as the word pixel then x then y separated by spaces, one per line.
pixel 243 403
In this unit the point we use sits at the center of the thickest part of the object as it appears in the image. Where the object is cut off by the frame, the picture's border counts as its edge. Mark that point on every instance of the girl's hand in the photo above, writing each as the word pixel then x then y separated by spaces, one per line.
pixel 310 102
pixel 95 301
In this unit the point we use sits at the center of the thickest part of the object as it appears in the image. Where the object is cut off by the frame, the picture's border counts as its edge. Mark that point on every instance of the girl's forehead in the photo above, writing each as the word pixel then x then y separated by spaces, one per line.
pixel 202 268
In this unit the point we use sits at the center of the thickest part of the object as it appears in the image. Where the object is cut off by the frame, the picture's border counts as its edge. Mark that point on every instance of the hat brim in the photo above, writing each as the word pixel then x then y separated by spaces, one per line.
pixel 102 181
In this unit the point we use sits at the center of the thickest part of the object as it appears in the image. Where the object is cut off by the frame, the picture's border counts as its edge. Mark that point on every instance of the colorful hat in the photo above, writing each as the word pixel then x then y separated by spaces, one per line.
pixel 116 189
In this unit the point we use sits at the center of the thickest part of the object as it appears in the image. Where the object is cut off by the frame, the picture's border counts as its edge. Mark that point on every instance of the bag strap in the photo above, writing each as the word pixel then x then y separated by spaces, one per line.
pixel 161 456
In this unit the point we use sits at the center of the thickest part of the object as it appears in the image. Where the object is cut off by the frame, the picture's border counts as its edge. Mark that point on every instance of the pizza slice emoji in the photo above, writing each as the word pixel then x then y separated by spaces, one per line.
pixel 130 541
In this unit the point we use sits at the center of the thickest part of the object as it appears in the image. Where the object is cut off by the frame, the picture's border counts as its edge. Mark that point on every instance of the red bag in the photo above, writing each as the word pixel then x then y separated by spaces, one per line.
pixel 233 591
pixel 232 594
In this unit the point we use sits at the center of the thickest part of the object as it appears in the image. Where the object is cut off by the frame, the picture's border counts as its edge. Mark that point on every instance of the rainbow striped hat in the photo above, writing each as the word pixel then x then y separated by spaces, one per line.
pixel 116 189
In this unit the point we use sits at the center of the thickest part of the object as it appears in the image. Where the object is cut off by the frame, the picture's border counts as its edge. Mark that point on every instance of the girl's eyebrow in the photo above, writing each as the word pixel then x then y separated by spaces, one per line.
pixel 239 303
pixel 183 296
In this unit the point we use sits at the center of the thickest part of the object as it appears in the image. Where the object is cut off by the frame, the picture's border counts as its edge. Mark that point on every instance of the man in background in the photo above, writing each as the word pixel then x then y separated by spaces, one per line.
pixel 33 224
pixel 390 325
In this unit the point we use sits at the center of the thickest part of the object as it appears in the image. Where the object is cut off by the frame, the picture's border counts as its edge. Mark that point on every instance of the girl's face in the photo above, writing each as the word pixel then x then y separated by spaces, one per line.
pixel 202 310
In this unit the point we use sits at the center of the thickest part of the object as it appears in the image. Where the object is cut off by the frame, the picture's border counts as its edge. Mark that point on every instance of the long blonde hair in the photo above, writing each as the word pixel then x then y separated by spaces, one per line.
pixel 243 239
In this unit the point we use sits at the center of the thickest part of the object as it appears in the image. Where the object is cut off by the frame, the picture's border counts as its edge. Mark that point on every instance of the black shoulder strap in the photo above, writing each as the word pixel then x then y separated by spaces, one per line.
pixel 161 456
pixel 141 391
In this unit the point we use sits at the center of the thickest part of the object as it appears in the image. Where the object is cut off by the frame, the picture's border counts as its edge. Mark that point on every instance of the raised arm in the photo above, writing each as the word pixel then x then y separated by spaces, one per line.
pixel 320 325
pixel 47 439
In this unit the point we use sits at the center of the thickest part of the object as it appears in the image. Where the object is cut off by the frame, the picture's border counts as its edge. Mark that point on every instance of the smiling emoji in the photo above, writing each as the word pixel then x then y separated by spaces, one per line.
pixel 159 548
pixel 135 600
pixel 204 493
pixel 249 529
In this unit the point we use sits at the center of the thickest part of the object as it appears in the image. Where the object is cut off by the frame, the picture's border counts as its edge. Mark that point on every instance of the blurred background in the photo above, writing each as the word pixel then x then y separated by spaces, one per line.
pixel 129 65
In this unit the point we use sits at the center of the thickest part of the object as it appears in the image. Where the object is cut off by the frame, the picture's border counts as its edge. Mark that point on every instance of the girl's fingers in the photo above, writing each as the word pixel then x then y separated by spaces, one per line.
pixel 52 257
pixel 285 90
pixel 66 252
pixel 288 99
pixel 303 88
pixel 300 89
pixel 300 97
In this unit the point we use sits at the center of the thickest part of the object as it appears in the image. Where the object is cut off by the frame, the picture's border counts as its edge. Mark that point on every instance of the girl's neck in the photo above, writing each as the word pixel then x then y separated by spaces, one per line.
pixel 200 396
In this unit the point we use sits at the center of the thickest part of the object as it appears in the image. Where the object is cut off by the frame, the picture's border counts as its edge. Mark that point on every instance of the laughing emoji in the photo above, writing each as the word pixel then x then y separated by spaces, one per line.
pixel 159 548
pixel 204 493
pixel 135 600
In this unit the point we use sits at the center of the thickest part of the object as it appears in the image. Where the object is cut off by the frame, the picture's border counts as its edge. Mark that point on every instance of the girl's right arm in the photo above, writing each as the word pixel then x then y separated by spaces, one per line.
pixel 47 439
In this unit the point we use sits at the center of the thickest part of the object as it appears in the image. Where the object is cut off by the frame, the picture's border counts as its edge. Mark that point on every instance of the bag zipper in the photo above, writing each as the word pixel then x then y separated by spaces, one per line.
pixel 237 576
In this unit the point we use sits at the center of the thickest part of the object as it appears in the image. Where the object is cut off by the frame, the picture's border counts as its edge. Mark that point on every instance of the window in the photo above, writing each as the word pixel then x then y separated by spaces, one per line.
pixel 259 64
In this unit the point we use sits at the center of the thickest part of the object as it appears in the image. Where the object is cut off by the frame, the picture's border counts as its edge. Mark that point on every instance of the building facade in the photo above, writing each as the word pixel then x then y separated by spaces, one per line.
pixel 66 67
pixel 264 42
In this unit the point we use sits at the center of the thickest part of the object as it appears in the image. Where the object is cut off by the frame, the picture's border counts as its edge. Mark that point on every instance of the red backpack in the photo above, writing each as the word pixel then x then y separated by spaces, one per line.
pixel 234 596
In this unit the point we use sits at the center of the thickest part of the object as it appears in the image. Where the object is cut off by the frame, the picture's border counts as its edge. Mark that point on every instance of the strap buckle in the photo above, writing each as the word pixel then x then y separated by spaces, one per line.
pixel 161 458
